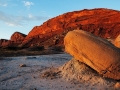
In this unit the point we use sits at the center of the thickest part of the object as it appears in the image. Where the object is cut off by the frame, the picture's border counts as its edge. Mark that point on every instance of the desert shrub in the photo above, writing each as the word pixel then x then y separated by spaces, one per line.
pixel 10 47
pixel 56 48
pixel 36 48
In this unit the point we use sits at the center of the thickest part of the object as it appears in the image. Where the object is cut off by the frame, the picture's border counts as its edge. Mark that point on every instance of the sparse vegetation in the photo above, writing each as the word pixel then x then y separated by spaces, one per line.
pixel 28 51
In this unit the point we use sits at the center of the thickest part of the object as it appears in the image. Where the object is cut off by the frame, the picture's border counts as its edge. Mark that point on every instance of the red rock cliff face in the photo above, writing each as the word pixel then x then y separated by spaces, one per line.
pixel 3 42
pixel 101 22
pixel 18 37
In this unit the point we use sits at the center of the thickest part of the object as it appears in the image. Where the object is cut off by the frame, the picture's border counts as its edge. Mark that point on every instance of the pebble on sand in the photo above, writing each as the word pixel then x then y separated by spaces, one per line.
pixel 22 65
pixel 117 85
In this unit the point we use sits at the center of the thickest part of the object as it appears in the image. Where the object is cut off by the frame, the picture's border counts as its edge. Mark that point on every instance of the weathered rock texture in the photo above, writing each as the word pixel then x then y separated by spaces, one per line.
pixel 94 51
pixel 18 37
pixel 15 40
pixel 117 41
pixel 3 42
pixel 102 22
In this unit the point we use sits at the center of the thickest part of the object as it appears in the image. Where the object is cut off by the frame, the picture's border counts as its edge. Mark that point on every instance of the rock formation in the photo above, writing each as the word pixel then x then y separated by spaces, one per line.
pixel 16 39
pixel 102 22
pixel 94 51
pixel 3 42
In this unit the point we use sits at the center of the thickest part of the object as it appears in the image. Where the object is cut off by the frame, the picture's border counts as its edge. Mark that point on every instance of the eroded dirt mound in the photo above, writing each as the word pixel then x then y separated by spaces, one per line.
pixel 78 72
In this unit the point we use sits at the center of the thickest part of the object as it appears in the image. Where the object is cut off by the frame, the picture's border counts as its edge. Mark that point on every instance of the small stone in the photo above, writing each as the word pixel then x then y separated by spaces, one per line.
pixel 1 68
pixel 33 76
pixel 35 89
pixel 22 65
pixel 117 85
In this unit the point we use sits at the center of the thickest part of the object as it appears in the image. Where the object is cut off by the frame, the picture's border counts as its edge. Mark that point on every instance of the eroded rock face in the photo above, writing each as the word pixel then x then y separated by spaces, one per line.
pixel 94 51
pixel 15 40
pixel 102 22
pixel 17 37
pixel 3 42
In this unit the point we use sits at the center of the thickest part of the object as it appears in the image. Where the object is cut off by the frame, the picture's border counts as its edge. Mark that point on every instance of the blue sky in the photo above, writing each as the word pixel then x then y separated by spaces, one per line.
pixel 23 15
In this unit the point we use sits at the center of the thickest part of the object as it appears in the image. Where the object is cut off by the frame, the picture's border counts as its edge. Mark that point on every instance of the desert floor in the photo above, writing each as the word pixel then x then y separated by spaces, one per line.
pixel 37 74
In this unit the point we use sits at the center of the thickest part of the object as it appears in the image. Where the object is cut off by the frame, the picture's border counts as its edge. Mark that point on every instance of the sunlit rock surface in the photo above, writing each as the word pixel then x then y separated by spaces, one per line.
pixel 94 51
pixel 102 22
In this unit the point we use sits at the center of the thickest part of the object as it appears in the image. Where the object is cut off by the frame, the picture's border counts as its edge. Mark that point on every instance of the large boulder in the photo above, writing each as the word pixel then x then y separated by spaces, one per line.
pixel 94 51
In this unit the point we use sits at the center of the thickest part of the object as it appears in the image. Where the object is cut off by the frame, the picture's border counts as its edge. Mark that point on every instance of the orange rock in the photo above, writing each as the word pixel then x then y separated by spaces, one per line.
pixel 117 41
pixel 117 85
pixel 3 42
pixel 94 51
pixel 101 22
pixel 17 37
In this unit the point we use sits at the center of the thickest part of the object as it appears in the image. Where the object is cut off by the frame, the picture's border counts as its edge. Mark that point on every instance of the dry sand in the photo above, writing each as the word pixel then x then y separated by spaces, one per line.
pixel 44 73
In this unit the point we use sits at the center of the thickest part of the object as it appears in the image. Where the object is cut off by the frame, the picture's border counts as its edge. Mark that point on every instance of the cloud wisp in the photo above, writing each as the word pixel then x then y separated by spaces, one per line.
pixel 3 4
pixel 28 4
pixel 12 20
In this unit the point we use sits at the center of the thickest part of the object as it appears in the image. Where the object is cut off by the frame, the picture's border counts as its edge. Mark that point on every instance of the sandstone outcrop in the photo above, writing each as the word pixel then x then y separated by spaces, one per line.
pixel 3 42
pixel 94 51
pixel 15 40
pixel 17 37
pixel 102 22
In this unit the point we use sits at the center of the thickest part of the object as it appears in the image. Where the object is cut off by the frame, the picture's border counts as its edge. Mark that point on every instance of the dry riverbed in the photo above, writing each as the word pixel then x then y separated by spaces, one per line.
pixel 40 73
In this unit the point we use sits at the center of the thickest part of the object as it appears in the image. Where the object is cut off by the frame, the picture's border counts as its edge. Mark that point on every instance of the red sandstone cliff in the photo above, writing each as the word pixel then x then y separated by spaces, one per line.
pixel 102 22
pixel 17 37
pixel 15 40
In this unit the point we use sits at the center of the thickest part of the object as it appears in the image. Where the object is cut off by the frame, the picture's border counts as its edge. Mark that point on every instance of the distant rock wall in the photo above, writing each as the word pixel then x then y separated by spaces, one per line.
pixel 15 41
pixel 17 37
pixel 102 22
pixel 3 42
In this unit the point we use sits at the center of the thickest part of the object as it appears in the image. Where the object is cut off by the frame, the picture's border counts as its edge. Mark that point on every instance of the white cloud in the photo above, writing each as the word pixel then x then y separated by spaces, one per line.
pixel 28 4
pixel 30 16
pixel 11 24
pixel 12 20
pixel 3 4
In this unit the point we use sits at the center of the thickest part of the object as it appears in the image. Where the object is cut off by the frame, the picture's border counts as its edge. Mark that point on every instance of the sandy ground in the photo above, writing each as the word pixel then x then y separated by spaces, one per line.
pixel 39 74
